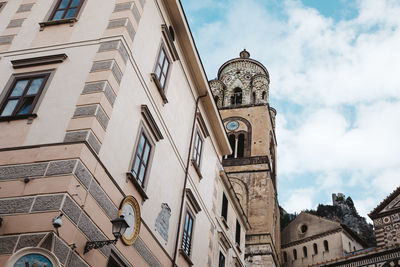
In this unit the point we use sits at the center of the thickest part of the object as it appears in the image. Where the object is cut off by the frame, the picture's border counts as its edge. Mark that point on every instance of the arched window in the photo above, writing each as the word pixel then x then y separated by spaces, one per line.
pixel 216 98
pixel 305 252
pixel 236 98
pixel 263 95
pixel 349 246
pixel 354 248
pixel 295 254
pixel 284 256
pixel 315 249
pixel 232 143
pixel 326 245
pixel 254 97
pixel 240 148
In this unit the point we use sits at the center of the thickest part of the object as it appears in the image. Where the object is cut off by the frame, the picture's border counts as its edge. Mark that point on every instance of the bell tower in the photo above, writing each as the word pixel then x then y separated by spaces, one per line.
pixel 241 92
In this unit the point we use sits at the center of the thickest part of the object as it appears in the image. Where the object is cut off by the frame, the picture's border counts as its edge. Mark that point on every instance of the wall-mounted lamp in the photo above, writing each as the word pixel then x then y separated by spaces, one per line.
pixel 119 226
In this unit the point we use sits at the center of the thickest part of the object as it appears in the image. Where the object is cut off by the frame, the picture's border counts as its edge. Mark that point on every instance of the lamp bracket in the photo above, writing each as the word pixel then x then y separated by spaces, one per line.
pixel 98 244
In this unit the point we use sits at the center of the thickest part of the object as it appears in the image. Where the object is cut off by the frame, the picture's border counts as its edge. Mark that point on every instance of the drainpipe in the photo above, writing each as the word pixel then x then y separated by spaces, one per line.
pixel 185 181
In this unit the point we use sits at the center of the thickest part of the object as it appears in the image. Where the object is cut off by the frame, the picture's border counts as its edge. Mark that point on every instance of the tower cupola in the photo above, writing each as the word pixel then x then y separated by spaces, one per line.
pixel 241 81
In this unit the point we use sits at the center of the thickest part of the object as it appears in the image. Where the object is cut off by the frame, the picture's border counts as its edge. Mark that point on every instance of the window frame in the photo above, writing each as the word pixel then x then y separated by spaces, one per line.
pixel 224 211
pixel 2 5
pixel 8 89
pixel 56 8
pixel 182 248
pixel 219 259
pixel 238 232
pixel 196 155
pixel 141 187
pixel 162 88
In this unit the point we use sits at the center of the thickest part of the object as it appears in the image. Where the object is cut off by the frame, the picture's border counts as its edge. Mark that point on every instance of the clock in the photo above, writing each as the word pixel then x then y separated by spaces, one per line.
pixel 130 209
pixel 232 125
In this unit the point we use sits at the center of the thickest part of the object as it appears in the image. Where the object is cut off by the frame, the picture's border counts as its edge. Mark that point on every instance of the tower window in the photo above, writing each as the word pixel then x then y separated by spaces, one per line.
pixel 236 98
pixel 315 249
pixel 240 147
pixel 284 257
pixel 326 245
pixel 232 143
pixel 295 254
pixel 305 252
pixel 263 95
pixel 216 98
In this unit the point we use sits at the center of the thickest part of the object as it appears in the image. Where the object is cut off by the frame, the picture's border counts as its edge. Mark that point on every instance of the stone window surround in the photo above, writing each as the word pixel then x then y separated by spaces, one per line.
pixel 162 89
pixel 2 5
pixel 10 84
pixel 142 188
pixel 71 21
pixel 188 211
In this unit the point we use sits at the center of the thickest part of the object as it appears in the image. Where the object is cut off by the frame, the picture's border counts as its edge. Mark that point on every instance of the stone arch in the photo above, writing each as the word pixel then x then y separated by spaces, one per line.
pixel 247 134
pixel 260 86
pixel 217 89
pixel 241 191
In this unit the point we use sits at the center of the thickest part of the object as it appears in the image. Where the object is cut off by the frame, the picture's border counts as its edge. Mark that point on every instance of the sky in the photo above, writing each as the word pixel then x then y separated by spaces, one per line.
pixel 335 83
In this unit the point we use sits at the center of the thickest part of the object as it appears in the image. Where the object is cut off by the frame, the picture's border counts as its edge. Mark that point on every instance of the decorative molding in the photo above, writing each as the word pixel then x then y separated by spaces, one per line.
pixel 245 161
pixel 38 61
pixel 192 199
pixel 151 122
pixel 44 24
pixel 224 240
pixel 202 125
pixel 169 37
pixel 159 88
pixel 137 186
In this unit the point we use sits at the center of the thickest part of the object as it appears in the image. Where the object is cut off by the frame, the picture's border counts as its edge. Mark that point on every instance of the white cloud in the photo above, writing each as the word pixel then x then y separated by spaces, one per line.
pixel 300 199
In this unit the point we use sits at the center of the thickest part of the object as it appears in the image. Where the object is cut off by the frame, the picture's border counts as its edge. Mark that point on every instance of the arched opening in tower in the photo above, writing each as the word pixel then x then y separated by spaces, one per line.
pixel 240 148
pixel 236 98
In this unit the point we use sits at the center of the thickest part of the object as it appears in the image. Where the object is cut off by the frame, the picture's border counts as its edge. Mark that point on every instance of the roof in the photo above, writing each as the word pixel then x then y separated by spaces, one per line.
pixel 373 214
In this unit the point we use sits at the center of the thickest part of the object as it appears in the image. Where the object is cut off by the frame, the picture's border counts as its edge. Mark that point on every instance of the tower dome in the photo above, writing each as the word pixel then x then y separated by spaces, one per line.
pixel 241 81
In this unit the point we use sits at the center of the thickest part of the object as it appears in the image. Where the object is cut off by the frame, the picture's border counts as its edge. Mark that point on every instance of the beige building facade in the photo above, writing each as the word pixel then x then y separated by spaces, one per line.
pixel 241 91
pixel 310 240
pixel 106 113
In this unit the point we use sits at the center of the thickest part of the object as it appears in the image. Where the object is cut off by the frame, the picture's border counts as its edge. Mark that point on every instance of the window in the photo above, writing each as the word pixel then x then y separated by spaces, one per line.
pixel 221 261
pixel 23 95
pixel 224 212
pixel 187 234
pixel 315 249
pixel 263 95
pixel 66 9
pixel 326 245
pixel 237 237
pixel 295 254
pixel 284 257
pixel 236 98
pixel 216 98
pixel 141 161
pixel 232 142
pixel 303 228
pixel 198 145
pixel 2 4
pixel 115 261
pixel 349 246
pixel 162 68
pixel 240 147
pixel 305 252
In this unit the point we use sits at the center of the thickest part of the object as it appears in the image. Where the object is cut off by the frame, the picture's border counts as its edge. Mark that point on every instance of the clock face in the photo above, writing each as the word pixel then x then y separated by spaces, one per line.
pixel 232 125
pixel 131 212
